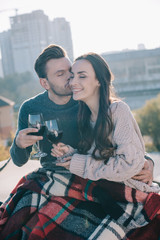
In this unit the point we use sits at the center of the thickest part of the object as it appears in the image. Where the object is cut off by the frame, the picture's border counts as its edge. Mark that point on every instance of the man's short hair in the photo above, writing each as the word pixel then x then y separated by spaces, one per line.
pixel 51 52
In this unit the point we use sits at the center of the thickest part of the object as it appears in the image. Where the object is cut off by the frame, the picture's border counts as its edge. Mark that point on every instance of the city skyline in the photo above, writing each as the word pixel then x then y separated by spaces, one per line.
pixel 103 27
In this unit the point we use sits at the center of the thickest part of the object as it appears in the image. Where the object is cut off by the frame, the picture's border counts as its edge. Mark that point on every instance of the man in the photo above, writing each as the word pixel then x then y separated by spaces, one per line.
pixel 53 68
pixel 52 203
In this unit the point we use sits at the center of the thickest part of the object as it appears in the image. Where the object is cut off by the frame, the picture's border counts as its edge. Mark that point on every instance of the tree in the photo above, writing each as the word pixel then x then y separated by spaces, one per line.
pixel 148 119
pixel 19 87
pixel 4 152
pixel 5 147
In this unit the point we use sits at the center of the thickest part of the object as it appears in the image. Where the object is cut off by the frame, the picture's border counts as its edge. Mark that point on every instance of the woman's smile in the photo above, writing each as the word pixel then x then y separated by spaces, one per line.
pixel 76 90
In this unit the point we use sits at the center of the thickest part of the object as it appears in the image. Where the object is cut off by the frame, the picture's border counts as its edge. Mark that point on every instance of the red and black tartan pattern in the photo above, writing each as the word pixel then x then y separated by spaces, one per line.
pixel 54 206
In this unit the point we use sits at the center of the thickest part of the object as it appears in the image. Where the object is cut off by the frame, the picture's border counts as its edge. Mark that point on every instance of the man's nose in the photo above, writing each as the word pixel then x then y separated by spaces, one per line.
pixel 69 76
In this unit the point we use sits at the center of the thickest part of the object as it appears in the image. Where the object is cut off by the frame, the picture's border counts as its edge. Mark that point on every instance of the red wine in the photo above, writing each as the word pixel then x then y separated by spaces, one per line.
pixel 54 137
pixel 40 132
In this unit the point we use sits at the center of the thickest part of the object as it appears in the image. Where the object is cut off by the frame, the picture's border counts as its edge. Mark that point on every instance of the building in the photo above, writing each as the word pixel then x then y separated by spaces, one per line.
pixel 7 53
pixel 6 118
pixel 30 33
pixel 1 69
pixel 61 35
pixel 137 75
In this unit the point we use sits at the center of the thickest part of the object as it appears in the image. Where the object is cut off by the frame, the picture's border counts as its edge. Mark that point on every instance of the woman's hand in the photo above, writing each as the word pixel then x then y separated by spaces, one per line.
pixel 59 150
pixel 66 162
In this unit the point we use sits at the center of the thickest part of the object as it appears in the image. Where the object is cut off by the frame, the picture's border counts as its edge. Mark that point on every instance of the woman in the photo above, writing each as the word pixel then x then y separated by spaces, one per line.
pixel 111 148
pixel 111 144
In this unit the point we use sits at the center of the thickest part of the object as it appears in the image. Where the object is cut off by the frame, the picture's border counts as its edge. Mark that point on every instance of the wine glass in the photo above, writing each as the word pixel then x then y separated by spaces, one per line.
pixel 36 121
pixel 54 134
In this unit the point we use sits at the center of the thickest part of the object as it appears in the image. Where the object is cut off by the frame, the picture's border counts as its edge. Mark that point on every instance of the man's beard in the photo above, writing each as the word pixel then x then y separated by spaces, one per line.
pixel 59 91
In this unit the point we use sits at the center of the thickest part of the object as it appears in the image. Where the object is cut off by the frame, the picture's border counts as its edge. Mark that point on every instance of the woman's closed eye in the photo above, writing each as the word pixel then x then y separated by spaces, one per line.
pixel 82 76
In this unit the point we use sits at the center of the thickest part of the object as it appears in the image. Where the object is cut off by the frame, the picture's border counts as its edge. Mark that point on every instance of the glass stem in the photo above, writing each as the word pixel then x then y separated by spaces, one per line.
pixel 38 146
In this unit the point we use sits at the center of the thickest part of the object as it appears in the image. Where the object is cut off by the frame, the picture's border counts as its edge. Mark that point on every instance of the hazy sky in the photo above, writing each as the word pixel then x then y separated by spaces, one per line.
pixel 97 25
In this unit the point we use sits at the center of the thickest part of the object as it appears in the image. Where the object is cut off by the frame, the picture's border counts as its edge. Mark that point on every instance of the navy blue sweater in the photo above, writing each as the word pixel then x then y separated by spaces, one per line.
pixel 67 115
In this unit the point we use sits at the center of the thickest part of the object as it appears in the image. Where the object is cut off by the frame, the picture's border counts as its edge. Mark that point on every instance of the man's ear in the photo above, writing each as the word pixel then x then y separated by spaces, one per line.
pixel 44 83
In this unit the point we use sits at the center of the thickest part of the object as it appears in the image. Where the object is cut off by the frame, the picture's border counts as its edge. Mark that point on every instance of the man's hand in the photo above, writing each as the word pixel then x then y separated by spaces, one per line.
pixel 146 175
pixel 24 140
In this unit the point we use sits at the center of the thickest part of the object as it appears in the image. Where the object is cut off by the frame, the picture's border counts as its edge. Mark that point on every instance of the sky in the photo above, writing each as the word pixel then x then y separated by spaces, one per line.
pixel 97 25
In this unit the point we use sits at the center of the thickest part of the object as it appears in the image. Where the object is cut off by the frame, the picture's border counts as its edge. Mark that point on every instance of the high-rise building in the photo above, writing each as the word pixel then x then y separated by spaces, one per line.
pixel 30 33
pixel 1 69
pixel 7 53
pixel 61 34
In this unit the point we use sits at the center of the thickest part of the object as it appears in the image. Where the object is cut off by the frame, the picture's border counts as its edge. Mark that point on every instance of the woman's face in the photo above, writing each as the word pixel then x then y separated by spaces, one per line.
pixel 84 84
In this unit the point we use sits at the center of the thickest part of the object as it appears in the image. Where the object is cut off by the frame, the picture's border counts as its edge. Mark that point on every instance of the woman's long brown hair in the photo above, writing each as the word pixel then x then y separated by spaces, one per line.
pixel 104 126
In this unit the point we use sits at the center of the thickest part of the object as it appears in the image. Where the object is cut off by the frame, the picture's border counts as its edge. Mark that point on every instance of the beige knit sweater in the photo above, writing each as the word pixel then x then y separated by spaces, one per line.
pixel 128 158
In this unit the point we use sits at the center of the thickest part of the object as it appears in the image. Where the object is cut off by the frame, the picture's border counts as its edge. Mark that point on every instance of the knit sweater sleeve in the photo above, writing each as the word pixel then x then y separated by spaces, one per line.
pixel 128 159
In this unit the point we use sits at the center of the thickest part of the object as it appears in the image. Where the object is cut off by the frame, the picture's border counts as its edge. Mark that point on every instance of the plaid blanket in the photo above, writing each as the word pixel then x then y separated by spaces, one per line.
pixel 58 205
